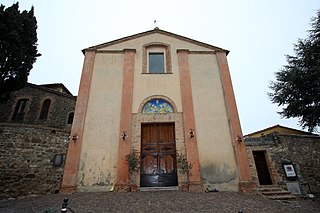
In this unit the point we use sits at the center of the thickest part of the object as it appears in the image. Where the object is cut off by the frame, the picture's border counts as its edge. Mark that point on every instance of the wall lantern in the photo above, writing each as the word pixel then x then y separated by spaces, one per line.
pixel 124 135
pixel 191 133
pixel 74 137
pixel 239 139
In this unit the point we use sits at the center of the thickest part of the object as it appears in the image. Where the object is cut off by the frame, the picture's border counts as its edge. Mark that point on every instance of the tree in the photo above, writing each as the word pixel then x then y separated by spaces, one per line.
pixel 18 47
pixel 297 85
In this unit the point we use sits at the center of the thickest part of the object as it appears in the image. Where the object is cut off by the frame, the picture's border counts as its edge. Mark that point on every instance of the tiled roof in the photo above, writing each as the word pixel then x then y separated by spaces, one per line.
pixel 277 126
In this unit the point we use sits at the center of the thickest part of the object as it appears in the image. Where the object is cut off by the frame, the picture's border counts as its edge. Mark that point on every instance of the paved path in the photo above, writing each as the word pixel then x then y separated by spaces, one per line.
pixel 157 201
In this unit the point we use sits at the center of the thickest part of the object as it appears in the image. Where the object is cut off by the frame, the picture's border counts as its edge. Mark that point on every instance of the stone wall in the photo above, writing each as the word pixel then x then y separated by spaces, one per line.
pixel 302 151
pixel 60 107
pixel 27 154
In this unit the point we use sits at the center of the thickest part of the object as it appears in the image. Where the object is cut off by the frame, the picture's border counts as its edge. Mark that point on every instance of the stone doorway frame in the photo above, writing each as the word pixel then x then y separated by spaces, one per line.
pixel 270 164
pixel 176 118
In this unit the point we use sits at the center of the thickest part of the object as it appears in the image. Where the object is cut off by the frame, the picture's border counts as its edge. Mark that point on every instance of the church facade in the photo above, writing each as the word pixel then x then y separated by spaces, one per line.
pixel 164 96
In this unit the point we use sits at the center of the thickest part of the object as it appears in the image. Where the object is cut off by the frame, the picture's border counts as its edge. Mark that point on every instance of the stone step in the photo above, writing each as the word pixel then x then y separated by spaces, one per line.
pixel 278 192
pixel 282 197
pixel 169 188
pixel 267 189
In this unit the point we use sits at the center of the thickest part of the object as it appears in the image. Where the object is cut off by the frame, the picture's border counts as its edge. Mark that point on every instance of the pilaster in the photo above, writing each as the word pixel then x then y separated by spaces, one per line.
pixel 74 148
pixel 234 122
pixel 125 119
pixel 189 121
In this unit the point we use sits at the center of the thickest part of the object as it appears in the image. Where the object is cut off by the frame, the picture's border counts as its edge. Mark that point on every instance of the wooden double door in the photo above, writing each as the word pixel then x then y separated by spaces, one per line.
pixel 158 155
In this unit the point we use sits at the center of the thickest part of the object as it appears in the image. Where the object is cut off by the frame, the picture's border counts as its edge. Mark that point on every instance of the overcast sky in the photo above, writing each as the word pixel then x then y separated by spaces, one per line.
pixel 258 33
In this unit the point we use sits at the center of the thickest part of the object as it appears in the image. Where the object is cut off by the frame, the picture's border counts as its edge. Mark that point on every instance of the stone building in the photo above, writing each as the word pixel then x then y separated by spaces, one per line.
pixel 34 127
pixel 163 95
pixel 285 157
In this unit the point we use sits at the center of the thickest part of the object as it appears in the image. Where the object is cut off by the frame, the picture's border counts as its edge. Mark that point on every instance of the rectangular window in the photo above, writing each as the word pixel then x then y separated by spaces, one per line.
pixel 20 110
pixel 156 63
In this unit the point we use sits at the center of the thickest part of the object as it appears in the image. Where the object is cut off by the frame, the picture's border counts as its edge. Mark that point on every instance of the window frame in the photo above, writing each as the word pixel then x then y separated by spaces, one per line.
pixel 45 110
pixel 20 109
pixel 70 118
pixel 156 47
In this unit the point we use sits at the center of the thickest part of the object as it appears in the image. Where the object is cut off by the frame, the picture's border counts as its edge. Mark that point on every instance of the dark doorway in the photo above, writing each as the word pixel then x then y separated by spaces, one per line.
pixel 262 167
pixel 158 155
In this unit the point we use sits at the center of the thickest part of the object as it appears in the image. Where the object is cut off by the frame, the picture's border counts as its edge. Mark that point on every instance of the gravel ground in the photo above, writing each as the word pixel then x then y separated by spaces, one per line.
pixel 156 201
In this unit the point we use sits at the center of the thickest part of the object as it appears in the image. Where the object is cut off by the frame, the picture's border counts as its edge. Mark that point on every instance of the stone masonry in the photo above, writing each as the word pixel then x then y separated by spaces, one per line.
pixel 26 160
pixel 61 105
pixel 301 150
pixel 29 146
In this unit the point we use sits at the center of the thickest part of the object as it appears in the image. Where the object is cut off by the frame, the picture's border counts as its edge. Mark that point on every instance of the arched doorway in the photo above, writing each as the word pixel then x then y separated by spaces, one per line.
pixel 158 144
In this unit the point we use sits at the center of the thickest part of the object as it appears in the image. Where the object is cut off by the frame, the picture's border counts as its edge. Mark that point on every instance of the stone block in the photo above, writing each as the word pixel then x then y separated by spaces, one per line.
pixel 294 188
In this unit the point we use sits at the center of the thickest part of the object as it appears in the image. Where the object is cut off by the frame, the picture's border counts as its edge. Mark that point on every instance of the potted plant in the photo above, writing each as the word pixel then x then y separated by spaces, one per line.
pixel 184 168
pixel 133 162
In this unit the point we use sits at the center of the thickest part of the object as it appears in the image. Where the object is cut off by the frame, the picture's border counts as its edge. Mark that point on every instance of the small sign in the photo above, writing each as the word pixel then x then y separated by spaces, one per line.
pixel 289 171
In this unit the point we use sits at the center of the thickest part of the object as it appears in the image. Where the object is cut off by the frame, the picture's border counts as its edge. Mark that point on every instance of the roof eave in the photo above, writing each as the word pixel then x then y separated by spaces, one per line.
pixel 156 30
